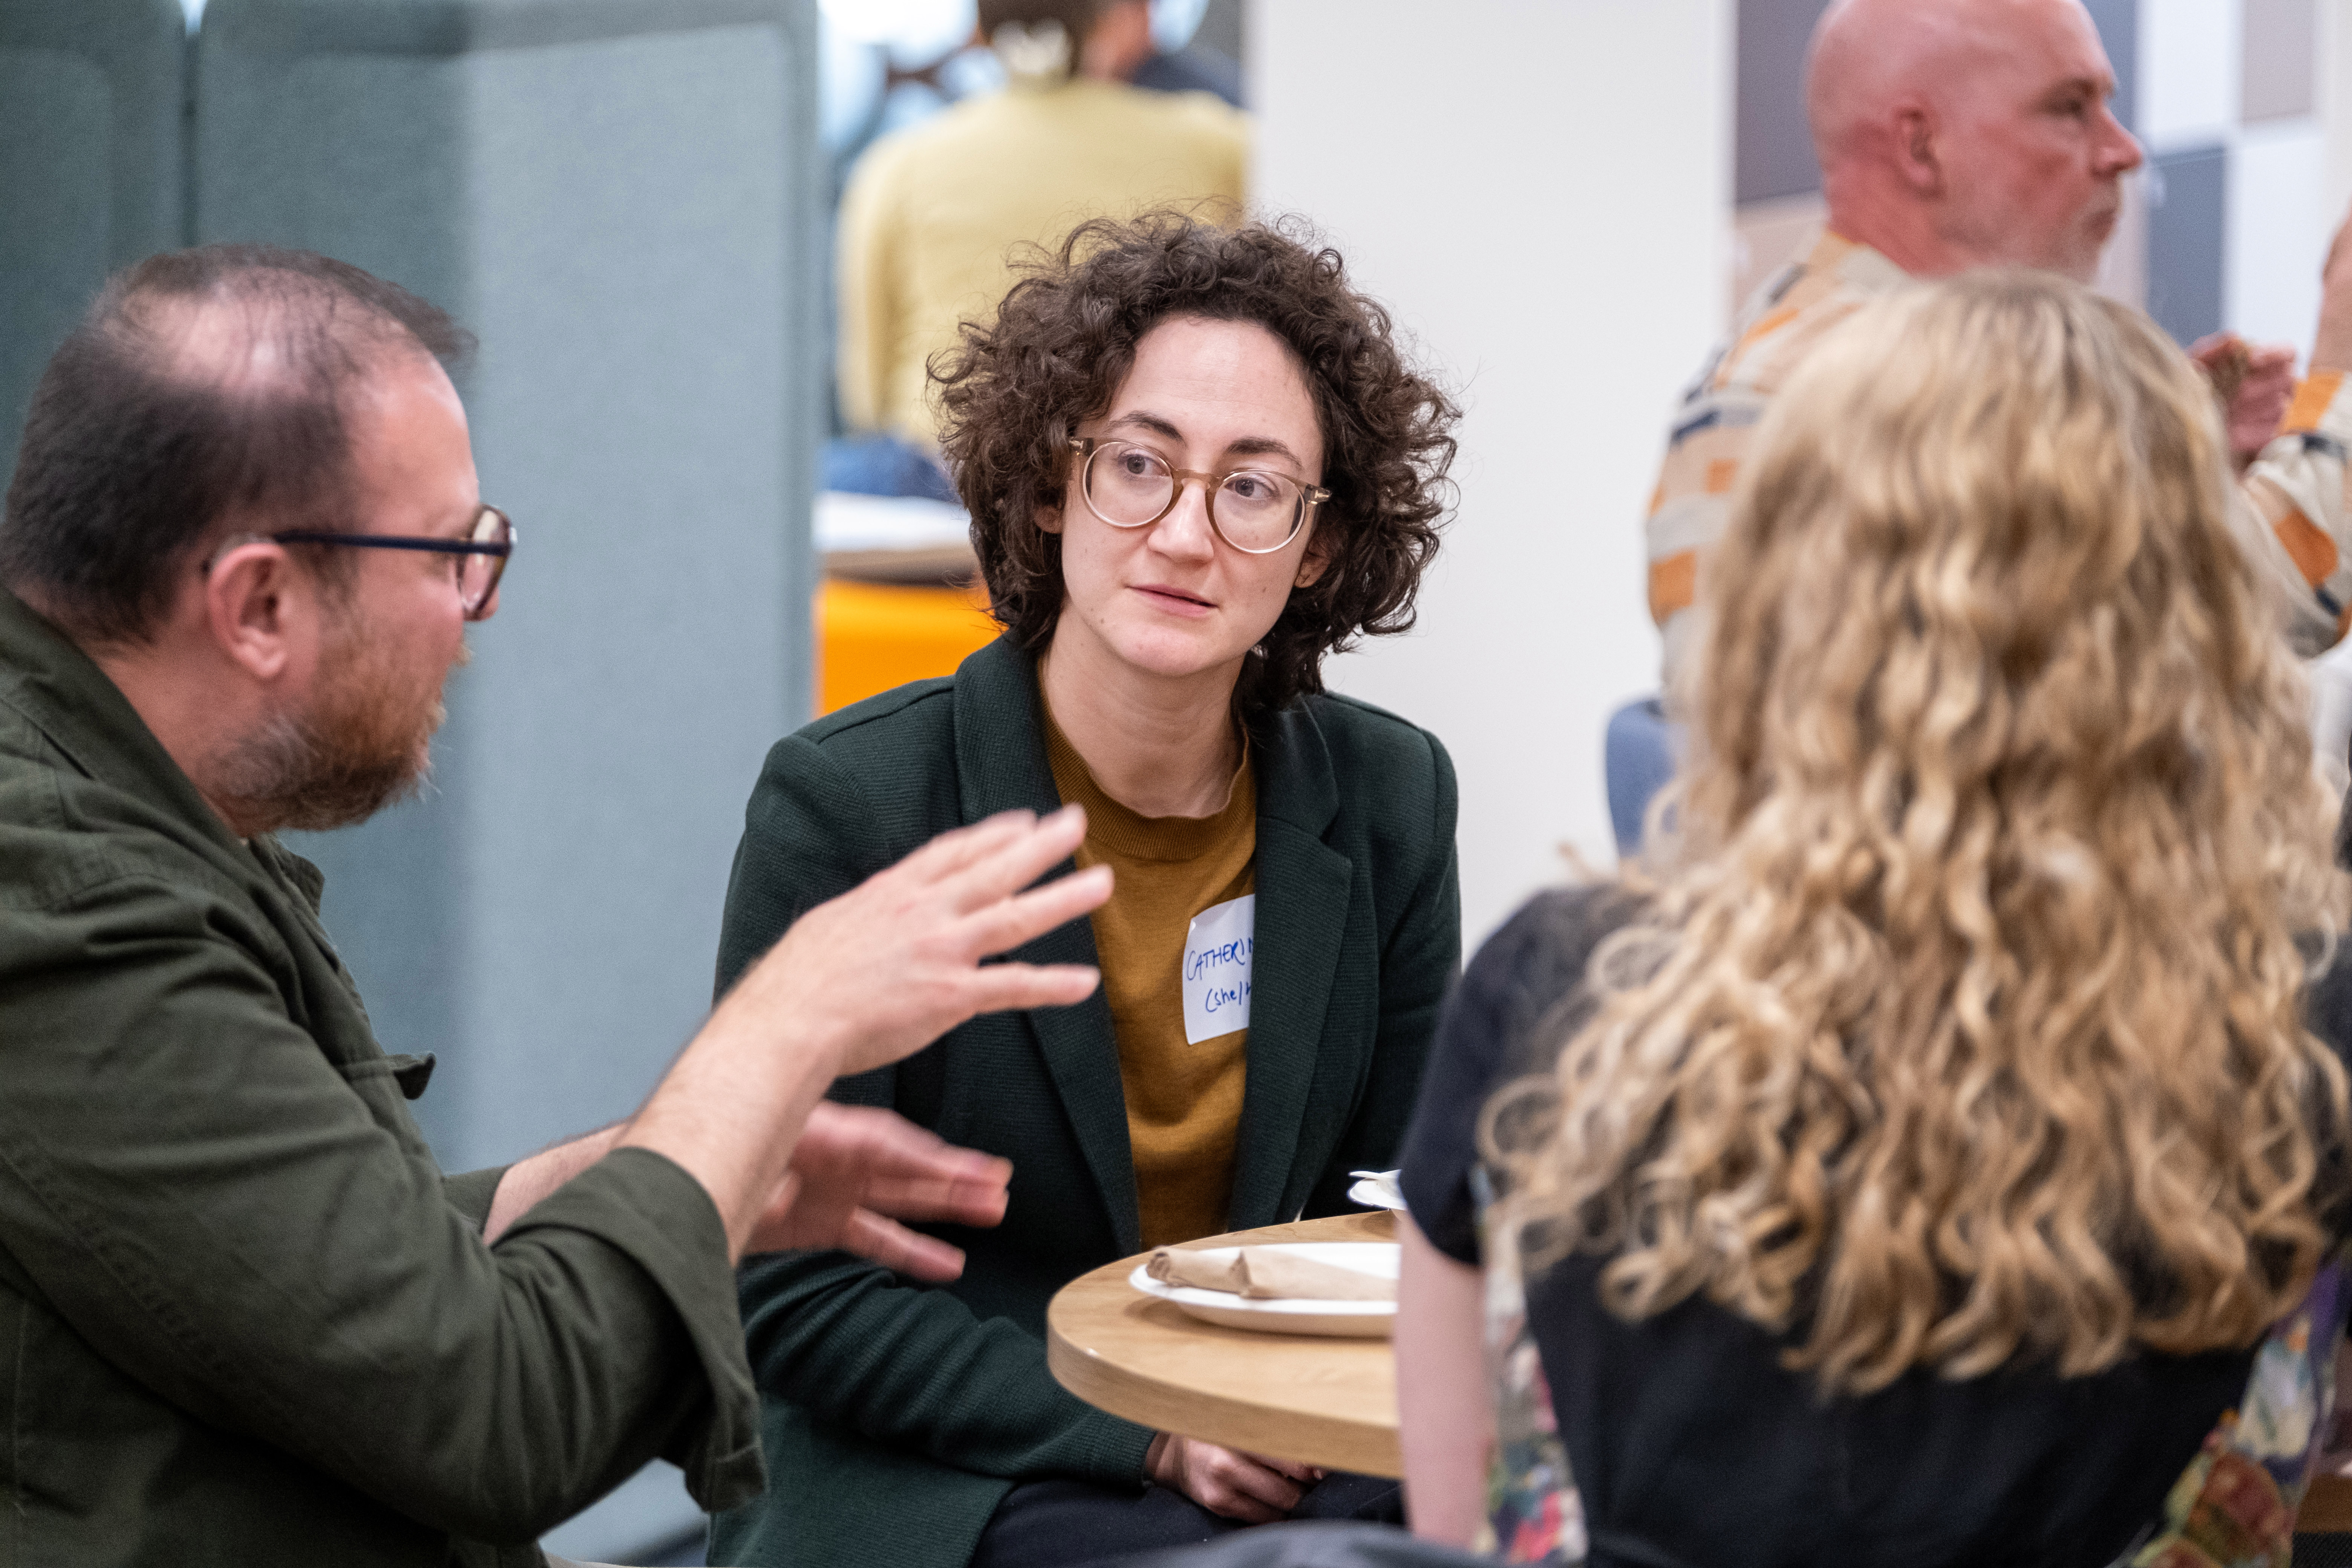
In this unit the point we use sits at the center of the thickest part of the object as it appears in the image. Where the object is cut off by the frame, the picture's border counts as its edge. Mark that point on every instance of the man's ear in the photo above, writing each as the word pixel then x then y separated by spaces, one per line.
pixel 261 610
pixel 1915 158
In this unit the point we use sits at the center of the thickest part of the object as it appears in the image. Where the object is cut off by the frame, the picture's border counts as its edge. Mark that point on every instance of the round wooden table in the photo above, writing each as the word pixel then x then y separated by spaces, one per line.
pixel 1327 1401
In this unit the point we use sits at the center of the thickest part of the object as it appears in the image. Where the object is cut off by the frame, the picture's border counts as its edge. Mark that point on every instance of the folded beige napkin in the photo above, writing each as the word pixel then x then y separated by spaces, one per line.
pixel 1265 1273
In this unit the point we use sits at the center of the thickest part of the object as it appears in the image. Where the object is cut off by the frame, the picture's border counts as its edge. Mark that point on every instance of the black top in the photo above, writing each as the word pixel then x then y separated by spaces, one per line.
pixel 1688 1440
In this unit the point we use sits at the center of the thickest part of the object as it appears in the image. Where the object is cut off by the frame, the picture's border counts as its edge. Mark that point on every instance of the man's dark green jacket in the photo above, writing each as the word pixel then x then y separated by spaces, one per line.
pixel 244 1318
pixel 895 1417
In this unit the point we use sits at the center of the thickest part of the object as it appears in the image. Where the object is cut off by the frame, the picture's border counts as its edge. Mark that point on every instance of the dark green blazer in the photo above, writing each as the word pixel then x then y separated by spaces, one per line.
pixel 895 1417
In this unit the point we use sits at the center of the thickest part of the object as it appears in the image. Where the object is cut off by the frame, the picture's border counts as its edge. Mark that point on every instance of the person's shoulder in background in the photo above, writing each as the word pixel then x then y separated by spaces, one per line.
pixel 1191 143
pixel 1206 110
pixel 887 156
pixel 1209 121
pixel 1196 127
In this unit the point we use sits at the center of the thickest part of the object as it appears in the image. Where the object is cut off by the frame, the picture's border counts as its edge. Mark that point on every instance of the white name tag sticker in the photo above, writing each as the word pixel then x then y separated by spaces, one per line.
pixel 1217 955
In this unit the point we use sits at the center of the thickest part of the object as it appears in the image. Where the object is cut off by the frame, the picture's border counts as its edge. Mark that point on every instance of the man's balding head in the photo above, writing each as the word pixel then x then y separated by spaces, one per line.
pixel 1955 133
pixel 202 385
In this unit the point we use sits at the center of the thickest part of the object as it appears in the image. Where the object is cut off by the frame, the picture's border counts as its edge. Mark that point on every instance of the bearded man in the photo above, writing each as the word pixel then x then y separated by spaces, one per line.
pixel 1962 133
pixel 244 1317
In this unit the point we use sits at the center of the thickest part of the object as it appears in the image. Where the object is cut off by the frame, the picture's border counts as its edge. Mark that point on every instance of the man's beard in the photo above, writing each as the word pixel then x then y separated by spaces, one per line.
pixel 361 746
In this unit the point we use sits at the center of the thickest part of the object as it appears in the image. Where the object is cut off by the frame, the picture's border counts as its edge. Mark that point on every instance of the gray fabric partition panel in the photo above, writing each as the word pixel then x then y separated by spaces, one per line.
pixel 1773 155
pixel 2187 224
pixel 620 198
pixel 92 168
pixel 2118 25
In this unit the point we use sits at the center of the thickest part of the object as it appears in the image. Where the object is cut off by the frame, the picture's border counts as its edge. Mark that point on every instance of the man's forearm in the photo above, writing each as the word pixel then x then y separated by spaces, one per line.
pixel 730 1113
pixel 525 1184
pixel 1446 1427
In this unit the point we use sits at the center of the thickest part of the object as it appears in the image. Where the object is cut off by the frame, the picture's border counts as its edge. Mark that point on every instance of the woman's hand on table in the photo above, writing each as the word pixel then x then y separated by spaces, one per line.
pixel 1234 1485
pixel 856 1171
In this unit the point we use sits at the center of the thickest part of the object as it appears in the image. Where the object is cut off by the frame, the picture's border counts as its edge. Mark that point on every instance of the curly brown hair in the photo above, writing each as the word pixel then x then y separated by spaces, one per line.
pixel 1016 388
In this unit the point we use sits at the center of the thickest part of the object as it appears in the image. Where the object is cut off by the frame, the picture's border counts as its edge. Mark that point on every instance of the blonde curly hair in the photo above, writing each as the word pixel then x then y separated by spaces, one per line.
pixel 1965 1018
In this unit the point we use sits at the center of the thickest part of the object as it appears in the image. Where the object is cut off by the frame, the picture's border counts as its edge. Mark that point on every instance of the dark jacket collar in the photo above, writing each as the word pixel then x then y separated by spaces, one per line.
pixel 1001 748
pixel 1302 893
pixel 80 711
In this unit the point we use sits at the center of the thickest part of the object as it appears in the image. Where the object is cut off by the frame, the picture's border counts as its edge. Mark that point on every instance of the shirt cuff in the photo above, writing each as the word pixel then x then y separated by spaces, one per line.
pixel 646 1206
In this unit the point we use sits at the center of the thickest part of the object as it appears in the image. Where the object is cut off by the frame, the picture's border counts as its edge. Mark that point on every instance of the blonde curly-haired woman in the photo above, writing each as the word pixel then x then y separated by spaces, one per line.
pixel 1931 1159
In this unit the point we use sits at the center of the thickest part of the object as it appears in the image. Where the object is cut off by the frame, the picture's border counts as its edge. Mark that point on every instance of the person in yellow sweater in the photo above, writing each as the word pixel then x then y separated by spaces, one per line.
pixel 935 216
pixel 1196 464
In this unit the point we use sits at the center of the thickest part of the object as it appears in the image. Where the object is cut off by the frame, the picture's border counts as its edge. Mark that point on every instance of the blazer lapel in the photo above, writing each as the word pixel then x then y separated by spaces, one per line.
pixel 1001 766
pixel 1302 915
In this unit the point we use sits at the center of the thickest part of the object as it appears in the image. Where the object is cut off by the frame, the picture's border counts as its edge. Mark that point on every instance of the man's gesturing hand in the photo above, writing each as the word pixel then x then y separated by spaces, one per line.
pixel 875 975
pixel 892 964
pixel 857 1172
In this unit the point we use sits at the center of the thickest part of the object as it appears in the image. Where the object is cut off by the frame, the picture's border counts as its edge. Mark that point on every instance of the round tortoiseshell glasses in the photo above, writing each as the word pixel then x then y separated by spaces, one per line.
pixel 1255 510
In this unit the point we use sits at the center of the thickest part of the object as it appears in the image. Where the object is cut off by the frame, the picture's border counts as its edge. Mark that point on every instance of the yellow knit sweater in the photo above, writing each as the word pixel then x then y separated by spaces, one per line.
pixel 1184 1097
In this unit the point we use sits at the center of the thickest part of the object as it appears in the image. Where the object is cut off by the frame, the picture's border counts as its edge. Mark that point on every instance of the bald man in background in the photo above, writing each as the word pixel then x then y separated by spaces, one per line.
pixel 1960 133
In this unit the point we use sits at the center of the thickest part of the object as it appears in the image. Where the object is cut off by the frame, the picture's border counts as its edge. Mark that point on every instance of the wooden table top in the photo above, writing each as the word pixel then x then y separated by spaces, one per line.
pixel 1327 1401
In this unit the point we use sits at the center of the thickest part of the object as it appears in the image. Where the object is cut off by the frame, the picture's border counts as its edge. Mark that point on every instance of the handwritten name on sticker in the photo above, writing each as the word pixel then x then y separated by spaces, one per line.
pixel 1220 950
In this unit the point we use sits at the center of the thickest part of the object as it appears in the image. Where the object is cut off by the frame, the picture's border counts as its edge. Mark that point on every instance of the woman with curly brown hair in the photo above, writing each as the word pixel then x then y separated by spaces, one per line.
pixel 1196 464
pixel 1931 1159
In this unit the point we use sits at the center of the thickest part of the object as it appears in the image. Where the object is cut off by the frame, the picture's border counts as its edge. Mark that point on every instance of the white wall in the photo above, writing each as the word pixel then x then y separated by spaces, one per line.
pixel 2189 71
pixel 2279 224
pixel 1540 191
pixel 2335 103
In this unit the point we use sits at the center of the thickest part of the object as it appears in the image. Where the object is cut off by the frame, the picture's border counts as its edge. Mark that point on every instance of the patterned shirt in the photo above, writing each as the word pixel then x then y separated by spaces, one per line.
pixel 2289 509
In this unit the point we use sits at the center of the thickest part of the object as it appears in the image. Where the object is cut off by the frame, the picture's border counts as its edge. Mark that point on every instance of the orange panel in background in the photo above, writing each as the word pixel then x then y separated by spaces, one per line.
pixel 871 637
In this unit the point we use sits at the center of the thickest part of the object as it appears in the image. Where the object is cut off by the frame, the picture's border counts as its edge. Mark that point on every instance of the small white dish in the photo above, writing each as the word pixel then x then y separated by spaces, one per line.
pixel 1377 1190
pixel 1349 1320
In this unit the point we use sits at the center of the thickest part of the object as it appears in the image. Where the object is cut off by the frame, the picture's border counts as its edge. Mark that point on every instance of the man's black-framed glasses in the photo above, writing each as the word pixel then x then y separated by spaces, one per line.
pixel 482 554
pixel 1255 510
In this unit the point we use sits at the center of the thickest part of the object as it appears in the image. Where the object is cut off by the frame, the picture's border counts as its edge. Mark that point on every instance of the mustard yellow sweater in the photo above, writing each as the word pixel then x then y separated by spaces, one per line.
pixel 1184 1097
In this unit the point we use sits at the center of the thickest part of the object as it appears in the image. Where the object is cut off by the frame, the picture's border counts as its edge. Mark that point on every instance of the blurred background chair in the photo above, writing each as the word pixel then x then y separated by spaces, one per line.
pixel 1639 756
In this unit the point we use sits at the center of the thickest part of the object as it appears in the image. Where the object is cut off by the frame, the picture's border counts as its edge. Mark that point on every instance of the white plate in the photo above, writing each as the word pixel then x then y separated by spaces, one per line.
pixel 1376 1190
pixel 1350 1319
